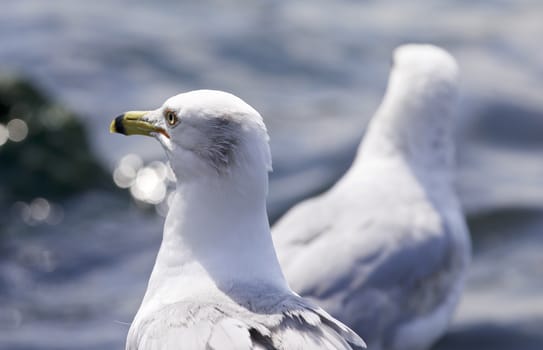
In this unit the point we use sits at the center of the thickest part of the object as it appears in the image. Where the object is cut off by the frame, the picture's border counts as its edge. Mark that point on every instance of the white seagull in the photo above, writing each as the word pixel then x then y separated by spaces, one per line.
pixel 386 249
pixel 216 283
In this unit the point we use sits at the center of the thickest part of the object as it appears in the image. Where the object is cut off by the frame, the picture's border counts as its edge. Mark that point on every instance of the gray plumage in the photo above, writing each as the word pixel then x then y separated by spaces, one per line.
pixel 376 270
pixel 387 248
pixel 218 147
pixel 242 318
pixel 216 283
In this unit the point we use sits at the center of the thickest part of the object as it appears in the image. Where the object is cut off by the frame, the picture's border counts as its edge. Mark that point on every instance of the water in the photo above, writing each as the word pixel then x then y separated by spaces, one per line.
pixel 316 71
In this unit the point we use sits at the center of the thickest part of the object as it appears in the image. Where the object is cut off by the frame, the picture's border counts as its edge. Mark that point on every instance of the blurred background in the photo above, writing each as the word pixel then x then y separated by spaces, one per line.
pixel 80 209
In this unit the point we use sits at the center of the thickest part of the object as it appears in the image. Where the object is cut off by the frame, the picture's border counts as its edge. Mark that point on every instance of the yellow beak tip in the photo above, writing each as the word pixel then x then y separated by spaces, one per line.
pixel 133 123
pixel 112 127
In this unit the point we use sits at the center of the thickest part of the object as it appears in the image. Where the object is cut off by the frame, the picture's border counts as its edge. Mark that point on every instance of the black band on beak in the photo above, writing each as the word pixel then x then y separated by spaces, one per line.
pixel 119 127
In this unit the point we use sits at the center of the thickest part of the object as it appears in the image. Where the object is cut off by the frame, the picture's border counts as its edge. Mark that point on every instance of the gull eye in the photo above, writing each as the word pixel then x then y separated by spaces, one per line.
pixel 171 117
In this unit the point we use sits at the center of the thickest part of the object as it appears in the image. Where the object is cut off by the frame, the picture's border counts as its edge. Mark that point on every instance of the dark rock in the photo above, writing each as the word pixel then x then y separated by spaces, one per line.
pixel 55 159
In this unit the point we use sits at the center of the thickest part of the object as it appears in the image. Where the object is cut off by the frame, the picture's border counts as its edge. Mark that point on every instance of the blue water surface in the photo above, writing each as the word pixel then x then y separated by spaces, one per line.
pixel 316 70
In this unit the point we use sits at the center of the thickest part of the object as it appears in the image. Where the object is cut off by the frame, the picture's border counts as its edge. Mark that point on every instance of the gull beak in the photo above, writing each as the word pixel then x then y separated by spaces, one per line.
pixel 136 123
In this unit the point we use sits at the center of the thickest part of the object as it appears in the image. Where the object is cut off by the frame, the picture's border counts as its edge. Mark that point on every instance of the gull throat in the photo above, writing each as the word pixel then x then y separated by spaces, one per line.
pixel 217 236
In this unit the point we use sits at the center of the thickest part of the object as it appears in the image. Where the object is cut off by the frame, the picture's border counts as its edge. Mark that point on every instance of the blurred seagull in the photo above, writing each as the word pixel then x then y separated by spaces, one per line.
pixel 386 249
pixel 216 283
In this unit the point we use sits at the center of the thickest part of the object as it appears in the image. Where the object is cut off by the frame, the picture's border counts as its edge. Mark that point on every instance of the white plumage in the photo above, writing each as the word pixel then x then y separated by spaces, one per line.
pixel 386 249
pixel 216 283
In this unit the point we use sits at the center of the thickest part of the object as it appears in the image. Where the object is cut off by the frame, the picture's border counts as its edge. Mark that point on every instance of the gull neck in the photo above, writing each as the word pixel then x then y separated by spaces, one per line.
pixel 216 235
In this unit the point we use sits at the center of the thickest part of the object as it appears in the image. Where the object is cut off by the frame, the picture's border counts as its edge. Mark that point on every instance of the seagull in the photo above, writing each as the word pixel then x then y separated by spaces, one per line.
pixel 216 282
pixel 386 249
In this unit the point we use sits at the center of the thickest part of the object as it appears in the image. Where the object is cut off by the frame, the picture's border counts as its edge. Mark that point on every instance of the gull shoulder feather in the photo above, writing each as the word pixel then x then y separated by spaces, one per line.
pixel 264 320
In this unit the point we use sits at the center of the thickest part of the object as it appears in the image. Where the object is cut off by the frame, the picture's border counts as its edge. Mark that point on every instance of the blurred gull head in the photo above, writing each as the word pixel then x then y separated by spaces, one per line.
pixel 415 117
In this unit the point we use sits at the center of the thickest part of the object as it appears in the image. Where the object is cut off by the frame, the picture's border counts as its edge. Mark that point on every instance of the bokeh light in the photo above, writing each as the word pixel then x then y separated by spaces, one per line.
pixel 160 169
pixel 39 211
pixel 125 173
pixel 17 130
pixel 147 184
pixel 148 187
pixel 4 134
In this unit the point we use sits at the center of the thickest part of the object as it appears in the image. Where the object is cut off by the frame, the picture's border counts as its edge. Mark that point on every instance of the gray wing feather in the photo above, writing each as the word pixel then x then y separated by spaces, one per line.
pixel 230 333
pixel 368 268
pixel 286 322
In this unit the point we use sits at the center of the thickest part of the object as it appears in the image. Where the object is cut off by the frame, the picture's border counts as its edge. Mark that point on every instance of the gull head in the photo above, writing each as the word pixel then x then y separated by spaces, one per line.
pixel 206 134
pixel 423 76
pixel 415 118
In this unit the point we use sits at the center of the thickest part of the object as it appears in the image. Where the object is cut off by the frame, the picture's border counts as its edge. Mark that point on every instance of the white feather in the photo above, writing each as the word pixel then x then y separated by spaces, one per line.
pixel 216 283
pixel 386 249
